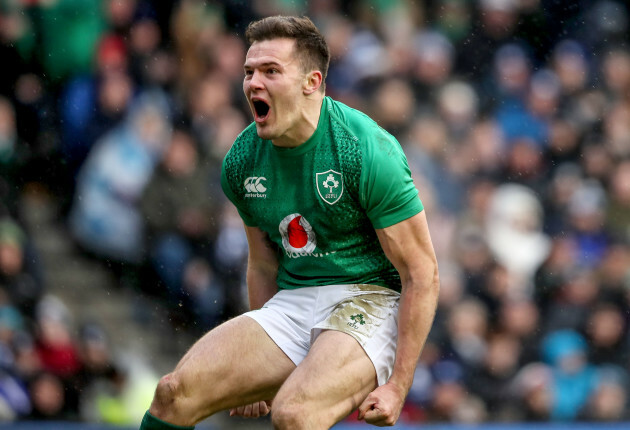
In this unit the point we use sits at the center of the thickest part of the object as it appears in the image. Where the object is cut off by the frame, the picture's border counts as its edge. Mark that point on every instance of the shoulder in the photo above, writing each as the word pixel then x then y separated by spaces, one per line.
pixel 237 163
pixel 364 129
pixel 238 158
pixel 353 119
pixel 242 147
pixel 245 140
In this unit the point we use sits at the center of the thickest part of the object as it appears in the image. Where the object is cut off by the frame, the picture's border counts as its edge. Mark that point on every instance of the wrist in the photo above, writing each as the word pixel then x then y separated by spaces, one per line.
pixel 400 384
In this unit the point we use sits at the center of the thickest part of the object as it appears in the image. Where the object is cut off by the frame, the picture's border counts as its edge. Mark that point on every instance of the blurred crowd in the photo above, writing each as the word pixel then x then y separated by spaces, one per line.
pixel 515 118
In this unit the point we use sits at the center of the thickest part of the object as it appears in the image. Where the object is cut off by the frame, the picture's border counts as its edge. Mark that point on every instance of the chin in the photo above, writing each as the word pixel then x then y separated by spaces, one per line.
pixel 264 132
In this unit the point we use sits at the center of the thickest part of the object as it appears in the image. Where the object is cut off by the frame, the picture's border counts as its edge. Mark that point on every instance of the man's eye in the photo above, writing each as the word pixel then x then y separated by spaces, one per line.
pixel 272 71
pixel 248 72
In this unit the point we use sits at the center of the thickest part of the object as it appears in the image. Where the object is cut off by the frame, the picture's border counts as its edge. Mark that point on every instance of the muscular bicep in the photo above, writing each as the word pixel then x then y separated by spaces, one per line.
pixel 408 246
pixel 262 267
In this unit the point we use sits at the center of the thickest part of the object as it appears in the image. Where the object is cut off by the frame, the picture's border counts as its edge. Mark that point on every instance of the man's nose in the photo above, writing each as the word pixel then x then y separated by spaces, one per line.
pixel 256 80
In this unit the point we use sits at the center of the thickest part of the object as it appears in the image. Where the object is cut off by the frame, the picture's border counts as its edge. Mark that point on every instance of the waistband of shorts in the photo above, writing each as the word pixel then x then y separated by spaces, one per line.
pixel 351 288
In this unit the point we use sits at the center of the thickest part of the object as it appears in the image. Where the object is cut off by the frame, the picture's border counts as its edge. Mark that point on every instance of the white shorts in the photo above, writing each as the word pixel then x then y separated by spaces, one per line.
pixel 368 313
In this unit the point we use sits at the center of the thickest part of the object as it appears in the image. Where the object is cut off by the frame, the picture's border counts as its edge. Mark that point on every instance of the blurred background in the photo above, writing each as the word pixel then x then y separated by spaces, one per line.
pixel 118 248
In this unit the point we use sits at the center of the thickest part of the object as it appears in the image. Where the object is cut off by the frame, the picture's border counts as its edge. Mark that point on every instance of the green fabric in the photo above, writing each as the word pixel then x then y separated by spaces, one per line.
pixel 321 201
pixel 149 422
pixel 383 6
pixel 71 30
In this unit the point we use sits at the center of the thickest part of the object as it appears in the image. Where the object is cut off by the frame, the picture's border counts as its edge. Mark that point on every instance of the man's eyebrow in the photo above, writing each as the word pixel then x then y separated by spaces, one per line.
pixel 265 64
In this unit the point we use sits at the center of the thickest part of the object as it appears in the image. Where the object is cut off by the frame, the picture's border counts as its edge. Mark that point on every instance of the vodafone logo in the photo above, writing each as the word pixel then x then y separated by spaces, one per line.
pixel 298 237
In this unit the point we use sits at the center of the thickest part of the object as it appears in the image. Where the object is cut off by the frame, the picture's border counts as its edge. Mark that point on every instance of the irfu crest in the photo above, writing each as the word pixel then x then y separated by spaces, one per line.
pixel 356 321
pixel 329 186
pixel 358 318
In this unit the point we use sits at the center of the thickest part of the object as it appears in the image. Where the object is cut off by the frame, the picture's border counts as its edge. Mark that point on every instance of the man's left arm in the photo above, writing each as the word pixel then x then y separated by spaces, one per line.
pixel 408 246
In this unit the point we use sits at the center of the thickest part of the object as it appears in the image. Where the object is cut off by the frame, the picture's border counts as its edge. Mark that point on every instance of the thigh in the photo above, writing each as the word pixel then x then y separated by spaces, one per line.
pixel 234 364
pixel 331 382
pixel 369 315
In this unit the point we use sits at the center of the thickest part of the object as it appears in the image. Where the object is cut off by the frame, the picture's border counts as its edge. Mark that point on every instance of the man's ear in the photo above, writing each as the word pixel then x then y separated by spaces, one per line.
pixel 312 82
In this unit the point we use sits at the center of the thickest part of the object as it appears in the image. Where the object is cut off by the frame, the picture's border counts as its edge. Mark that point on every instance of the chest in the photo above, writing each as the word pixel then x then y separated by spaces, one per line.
pixel 318 185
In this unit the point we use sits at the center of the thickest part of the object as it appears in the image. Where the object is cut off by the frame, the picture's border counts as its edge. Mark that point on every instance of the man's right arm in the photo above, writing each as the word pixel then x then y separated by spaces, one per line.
pixel 262 268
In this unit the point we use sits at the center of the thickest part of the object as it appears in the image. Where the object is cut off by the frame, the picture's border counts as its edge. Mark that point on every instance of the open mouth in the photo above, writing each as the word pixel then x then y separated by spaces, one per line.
pixel 261 109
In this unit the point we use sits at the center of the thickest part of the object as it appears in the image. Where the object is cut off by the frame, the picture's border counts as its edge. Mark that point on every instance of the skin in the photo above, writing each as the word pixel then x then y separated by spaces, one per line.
pixel 408 246
pixel 262 268
pixel 327 393
pixel 182 400
pixel 337 376
pixel 273 74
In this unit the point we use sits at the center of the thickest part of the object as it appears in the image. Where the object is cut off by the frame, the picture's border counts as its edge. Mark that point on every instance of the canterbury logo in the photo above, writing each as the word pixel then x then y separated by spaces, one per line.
pixel 253 184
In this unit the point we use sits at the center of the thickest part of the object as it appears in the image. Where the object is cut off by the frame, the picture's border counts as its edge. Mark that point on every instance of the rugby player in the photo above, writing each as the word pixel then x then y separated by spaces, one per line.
pixel 342 276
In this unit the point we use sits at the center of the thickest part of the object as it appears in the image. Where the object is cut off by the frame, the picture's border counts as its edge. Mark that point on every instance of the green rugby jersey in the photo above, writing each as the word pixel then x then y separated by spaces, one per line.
pixel 321 201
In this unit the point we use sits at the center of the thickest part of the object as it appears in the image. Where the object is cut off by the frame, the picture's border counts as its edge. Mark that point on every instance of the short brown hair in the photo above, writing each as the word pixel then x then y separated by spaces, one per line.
pixel 309 42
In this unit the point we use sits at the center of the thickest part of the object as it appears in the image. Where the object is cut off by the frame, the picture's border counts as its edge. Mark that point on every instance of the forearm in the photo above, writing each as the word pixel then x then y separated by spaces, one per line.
pixel 262 268
pixel 418 302
pixel 261 286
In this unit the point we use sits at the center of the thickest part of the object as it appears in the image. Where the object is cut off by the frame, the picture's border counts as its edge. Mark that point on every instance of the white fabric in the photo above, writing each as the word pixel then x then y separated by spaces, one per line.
pixel 368 313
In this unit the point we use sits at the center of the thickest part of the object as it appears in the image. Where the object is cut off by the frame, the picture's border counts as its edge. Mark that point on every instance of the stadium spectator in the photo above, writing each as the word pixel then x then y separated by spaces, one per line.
pixel 13 157
pixel 605 332
pixel 105 217
pixel 609 403
pixel 20 275
pixel 528 96
pixel 92 104
pixel 179 209
pixel 48 399
pixel 68 32
pixel 492 381
pixel 573 379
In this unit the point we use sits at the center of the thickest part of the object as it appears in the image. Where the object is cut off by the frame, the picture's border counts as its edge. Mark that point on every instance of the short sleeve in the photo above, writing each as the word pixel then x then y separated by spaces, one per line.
pixel 227 180
pixel 387 192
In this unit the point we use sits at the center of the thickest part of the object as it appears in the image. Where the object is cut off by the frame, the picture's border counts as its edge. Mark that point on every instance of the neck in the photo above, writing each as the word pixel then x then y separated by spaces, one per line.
pixel 306 123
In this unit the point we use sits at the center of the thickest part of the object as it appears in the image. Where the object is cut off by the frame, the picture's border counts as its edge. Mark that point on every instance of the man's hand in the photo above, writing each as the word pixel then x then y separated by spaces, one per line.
pixel 382 406
pixel 253 410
